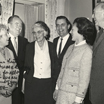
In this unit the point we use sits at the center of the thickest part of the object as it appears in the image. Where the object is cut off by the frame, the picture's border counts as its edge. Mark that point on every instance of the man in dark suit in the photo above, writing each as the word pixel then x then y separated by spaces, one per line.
pixel 18 45
pixel 61 43
pixel 97 72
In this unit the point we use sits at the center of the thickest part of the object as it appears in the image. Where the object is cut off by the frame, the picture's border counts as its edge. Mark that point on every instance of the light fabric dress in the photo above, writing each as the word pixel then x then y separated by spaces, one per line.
pixel 74 77
pixel 9 73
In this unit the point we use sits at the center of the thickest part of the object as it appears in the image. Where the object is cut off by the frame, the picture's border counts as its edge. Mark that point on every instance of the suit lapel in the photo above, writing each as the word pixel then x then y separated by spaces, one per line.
pixel 32 53
pixel 55 44
pixel 50 50
pixel 10 46
pixel 68 43
pixel 98 41
pixel 19 45
pixel 69 51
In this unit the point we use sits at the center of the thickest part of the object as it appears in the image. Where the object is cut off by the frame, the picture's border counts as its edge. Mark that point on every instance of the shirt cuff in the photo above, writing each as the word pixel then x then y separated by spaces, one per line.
pixel 79 99
pixel 56 87
pixel 24 72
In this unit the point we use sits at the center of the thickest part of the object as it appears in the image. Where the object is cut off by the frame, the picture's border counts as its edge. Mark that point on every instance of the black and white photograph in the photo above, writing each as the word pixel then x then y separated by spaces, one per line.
pixel 51 51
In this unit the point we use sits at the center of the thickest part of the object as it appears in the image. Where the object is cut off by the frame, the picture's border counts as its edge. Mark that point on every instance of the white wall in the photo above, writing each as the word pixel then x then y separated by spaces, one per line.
pixel 78 8
pixel 19 10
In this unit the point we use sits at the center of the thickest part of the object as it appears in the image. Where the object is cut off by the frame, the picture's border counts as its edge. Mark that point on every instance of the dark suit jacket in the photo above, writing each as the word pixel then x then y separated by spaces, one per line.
pixel 29 60
pixel 59 59
pixel 22 42
pixel 97 72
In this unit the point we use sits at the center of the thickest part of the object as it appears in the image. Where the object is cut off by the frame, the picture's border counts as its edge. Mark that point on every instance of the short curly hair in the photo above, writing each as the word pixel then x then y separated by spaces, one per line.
pixel 86 28
pixel 45 27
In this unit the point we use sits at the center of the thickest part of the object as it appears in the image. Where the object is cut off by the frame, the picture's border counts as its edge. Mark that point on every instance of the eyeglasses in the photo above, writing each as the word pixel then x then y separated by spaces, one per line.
pixel 38 32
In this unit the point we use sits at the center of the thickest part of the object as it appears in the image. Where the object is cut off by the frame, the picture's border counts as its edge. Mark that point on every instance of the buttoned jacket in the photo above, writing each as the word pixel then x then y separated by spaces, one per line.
pixel 29 60
pixel 97 72
pixel 75 71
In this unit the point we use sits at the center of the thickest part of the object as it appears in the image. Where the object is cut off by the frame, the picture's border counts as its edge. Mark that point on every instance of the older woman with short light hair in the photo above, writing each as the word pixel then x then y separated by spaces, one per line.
pixel 9 71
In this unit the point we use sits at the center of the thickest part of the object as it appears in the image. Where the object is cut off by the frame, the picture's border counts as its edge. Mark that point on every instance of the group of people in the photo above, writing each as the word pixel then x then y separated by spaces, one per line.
pixel 64 71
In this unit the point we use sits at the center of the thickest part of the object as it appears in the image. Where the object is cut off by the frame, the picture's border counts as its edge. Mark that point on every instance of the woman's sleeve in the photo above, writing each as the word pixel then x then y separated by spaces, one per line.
pixel 84 73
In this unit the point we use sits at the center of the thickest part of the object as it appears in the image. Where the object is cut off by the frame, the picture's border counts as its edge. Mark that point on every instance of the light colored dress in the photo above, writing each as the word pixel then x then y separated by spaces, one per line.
pixel 9 73
pixel 74 77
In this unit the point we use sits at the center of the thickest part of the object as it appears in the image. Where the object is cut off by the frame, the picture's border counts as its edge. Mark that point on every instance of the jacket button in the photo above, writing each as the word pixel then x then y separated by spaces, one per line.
pixel 71 85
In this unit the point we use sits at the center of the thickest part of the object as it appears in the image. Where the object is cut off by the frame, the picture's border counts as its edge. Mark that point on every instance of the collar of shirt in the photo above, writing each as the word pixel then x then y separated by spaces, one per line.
pixel 11 36
pixel 65 38
pixel 38 47
pixel 81 43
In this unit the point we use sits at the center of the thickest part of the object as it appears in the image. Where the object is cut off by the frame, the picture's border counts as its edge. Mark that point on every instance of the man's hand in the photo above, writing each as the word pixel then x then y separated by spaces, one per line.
pixel 55 95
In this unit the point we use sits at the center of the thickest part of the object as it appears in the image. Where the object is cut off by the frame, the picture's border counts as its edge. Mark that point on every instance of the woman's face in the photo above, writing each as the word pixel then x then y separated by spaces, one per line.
pixel 38 33
pixel 4 39
pixel 74 32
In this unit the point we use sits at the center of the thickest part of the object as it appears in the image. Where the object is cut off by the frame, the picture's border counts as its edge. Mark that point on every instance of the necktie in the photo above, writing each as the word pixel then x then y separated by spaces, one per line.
pixel 15 44
pixel 60 47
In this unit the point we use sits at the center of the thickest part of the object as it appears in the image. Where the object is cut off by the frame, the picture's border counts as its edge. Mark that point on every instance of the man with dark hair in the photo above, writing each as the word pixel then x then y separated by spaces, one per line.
pixel 18 45
pixel 61 43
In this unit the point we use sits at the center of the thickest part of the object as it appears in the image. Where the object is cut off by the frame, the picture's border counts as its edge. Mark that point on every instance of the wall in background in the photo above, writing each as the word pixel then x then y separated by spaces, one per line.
pixel 78 8
pixel 19 10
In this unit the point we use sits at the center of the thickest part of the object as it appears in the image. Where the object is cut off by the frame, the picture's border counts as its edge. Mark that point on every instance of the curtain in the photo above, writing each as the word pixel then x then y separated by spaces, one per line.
pixel 32 14
pixel 53 8
pixel 7 10
pixel 41 12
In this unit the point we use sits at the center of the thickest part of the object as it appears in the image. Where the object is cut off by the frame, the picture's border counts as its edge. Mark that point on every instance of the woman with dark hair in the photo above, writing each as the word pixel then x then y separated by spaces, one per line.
pixel 39 66
pixel 74 77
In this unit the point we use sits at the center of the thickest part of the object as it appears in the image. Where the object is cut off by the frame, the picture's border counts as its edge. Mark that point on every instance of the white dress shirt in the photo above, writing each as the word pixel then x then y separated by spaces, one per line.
pixel 42 63
pixel 65 38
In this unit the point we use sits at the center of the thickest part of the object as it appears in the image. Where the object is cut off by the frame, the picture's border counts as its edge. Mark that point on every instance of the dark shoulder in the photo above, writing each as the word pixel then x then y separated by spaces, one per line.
pixel 22 39
pixel 31 44
pixel 55 39
pixel 50 43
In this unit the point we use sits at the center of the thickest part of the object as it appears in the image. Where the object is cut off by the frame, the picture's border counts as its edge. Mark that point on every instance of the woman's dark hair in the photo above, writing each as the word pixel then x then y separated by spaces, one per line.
pixel 86 28
pixel 67 21
pixel 45 27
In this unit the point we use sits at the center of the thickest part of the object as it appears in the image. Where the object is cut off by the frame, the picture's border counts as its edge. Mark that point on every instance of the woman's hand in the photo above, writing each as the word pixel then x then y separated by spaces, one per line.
pixel 11 88
pixel 55 94
pixel 4 93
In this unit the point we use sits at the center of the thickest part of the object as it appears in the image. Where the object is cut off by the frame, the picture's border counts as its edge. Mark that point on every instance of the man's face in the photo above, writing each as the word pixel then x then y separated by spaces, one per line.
pixel 62 27
pixel 15 27
pixel 98 16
